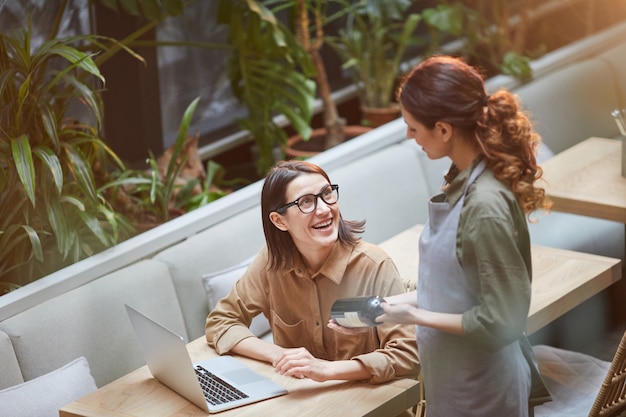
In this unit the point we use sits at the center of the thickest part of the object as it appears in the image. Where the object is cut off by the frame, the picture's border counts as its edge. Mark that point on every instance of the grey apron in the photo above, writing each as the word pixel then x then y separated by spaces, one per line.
pixel 461 379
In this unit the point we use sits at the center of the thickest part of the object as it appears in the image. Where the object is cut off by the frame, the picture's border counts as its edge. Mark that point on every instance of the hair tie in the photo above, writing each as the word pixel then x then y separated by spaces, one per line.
pixel 486 101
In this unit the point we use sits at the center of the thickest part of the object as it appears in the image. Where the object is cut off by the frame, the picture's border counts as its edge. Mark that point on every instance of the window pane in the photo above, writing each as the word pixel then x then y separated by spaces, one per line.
pixel 14 15
pixel 188 72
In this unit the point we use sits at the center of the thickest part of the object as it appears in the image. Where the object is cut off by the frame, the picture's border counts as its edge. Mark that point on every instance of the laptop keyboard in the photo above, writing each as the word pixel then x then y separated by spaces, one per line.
pixel 216 390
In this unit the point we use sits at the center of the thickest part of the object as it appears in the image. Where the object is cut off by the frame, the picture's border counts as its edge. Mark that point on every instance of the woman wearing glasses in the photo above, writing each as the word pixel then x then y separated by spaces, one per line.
pixel 312 257
pixel 473 291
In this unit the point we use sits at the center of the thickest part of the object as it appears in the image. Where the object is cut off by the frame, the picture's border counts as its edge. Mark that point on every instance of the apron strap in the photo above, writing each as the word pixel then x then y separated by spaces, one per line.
pixel 475 173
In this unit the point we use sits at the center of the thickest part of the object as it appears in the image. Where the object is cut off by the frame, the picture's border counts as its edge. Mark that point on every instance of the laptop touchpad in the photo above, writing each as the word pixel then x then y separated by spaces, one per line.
pixel 243 376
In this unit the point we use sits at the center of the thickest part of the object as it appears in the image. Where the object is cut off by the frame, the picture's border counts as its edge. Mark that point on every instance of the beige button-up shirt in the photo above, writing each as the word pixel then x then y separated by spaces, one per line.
pixel 298 307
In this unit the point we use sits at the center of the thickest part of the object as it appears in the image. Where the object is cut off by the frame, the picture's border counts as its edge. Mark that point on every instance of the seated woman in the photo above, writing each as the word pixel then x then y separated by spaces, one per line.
pixel 311 258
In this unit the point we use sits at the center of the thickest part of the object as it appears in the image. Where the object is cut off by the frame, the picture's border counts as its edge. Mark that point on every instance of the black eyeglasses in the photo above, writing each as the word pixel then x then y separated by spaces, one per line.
pixel 308 202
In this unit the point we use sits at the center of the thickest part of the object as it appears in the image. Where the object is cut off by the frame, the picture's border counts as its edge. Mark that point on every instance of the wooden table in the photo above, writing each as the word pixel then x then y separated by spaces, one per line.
pixel 139 394
pixel 586 179
pixel 562 279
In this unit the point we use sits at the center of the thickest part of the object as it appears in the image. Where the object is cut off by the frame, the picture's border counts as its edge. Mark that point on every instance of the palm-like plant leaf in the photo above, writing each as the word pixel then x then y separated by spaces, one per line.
pixel 59 228
pixel 12 240
pixel 50 160
pixel 93 223
pixel 373 45
pixel 270 72
pixel 50 125
pixel 23 159
pixel 47 186
pixel 81 171
pixel 72 55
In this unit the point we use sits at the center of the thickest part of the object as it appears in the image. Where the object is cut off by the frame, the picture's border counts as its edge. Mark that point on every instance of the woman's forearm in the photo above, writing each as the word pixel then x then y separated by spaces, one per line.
pixel 409 298
pixel 445 322
pixel 255 348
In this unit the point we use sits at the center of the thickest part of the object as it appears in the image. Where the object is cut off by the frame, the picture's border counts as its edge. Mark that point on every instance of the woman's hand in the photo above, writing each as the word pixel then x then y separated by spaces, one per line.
pixel 299 363
pixel 399 314
pixel 411 314
pixel 350 331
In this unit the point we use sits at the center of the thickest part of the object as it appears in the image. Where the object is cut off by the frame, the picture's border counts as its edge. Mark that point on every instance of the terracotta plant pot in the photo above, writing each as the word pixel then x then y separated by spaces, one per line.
pixel 298 148
pixel 375 117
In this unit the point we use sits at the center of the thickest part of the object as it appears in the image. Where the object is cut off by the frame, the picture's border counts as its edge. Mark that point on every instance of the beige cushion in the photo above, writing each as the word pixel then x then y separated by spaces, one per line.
pixel 43 396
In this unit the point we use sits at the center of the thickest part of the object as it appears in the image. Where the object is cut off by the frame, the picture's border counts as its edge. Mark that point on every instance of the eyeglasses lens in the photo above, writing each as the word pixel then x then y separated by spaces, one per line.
pixel 308 203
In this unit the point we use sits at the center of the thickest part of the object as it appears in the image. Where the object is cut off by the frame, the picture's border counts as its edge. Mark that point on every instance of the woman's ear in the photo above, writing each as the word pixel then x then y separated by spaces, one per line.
pixel 445 130
pixel 278 221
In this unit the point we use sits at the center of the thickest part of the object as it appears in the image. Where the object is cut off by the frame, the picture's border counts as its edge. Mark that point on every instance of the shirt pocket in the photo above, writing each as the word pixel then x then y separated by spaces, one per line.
pixel 289 335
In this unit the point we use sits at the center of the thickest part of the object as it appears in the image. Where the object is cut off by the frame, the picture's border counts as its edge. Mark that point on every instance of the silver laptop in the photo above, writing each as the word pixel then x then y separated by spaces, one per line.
pixel 214 385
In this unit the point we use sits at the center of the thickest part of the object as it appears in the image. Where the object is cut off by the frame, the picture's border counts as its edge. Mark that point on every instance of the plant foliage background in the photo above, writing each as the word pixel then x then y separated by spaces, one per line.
pixel 58 178
pixel 65 195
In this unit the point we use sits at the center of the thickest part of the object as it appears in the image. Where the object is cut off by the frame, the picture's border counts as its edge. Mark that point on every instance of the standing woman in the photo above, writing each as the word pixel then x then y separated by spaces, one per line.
pixel 474 284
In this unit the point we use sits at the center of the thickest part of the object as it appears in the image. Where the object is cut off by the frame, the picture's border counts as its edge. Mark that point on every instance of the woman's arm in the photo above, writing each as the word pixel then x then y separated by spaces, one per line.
pixel 403 309
pixel 299 362
pixel 409 298
pixel 410 314
pixel 258 349
pixel 229 322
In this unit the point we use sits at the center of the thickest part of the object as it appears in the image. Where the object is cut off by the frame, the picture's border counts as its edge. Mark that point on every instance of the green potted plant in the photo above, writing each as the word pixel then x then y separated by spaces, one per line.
pixel 270 73
pixel 285 74
pixel 372 46
pixel 151 197
pixel 52 212
pixel 310 17
pixel 491 38
pixel 56 170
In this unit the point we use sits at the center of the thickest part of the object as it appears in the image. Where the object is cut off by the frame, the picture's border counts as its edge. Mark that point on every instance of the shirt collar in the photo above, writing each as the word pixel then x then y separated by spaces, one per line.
pixel 334 267
pixel 454 190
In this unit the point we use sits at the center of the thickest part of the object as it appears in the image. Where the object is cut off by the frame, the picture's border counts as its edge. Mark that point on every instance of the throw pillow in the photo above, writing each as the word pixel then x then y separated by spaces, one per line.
pixel 46 394
pixel 218 284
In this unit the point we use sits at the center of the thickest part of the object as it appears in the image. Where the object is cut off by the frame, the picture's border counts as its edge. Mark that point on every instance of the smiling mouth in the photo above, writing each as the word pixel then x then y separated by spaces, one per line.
pixel 323 225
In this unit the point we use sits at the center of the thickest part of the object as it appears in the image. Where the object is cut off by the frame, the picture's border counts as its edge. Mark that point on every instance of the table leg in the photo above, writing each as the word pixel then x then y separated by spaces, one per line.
pixel 617 292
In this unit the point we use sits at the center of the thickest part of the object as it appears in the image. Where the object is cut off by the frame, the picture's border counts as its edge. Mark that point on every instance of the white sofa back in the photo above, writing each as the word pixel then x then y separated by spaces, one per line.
pixel 573 104
pixel 91 321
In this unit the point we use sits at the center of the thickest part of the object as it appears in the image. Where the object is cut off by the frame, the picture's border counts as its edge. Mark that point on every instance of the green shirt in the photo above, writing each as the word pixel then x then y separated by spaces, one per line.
pixel 493 248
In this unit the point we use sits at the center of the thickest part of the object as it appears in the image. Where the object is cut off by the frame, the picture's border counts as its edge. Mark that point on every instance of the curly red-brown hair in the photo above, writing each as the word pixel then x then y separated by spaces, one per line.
pixel 507 140
pixel 446 89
